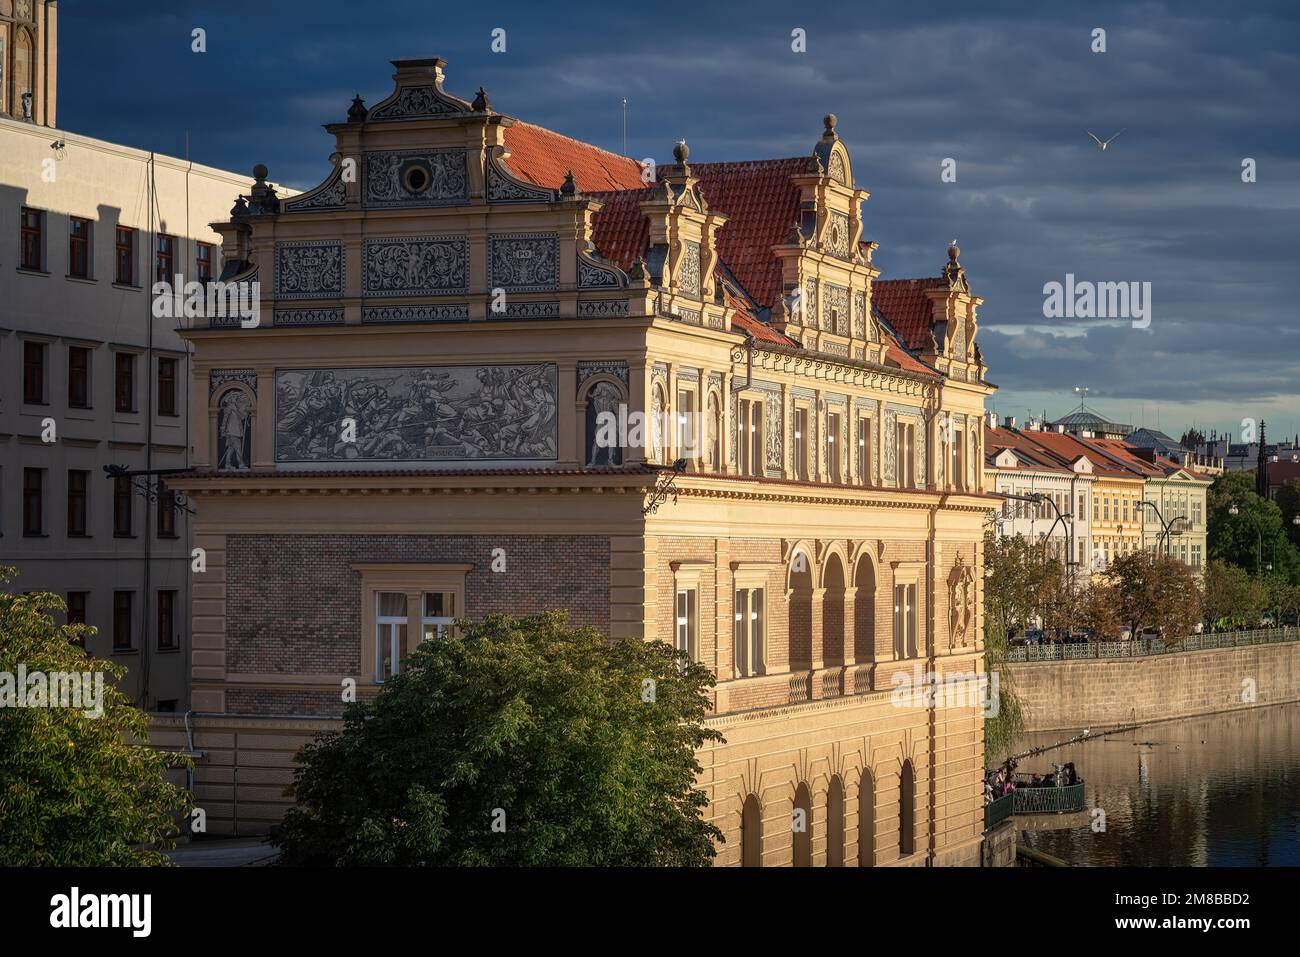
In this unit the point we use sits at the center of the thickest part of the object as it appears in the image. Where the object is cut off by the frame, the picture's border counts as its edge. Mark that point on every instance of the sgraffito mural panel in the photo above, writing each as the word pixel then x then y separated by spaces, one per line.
pixel 426 413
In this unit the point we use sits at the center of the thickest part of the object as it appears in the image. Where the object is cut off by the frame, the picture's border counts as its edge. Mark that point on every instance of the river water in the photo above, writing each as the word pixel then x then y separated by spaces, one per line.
pixel 1217 791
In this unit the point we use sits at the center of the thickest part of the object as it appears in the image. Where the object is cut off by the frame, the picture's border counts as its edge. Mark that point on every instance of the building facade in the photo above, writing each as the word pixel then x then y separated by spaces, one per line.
pixel 415 435
pixel 91 377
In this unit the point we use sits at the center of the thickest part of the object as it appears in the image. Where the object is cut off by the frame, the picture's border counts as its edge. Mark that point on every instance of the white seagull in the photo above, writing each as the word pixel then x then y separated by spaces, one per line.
pixel 1102 146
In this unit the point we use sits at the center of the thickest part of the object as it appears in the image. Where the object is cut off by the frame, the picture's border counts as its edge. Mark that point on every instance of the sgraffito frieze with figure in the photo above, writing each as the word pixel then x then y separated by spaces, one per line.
pixel 417 414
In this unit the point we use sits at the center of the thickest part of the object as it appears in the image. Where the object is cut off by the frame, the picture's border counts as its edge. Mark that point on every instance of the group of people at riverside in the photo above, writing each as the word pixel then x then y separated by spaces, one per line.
pixel 999 782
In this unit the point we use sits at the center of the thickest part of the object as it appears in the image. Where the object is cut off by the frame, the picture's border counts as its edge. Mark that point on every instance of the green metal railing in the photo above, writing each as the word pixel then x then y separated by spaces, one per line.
pixel 998 811
pixel 1048 800
pixel 1141 647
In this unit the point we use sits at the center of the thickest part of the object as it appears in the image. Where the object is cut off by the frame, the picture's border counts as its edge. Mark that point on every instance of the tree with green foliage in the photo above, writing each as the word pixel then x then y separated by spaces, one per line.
pixel 1154 591
pixel 1014 575
pixel 74 792
pixel 1255 536
pixel 1232 597
pixel 1288 503
pixel 517 742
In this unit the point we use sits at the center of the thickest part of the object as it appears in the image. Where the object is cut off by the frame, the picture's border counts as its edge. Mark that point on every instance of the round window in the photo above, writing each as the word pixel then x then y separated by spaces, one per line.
pixel 416 179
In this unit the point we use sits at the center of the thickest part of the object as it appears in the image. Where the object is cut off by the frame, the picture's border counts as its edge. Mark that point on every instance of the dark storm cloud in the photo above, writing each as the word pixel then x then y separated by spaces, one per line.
pixel 1005 89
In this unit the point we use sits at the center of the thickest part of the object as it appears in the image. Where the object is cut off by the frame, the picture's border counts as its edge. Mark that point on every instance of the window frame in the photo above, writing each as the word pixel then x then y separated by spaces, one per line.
pixel 31 239
pixel 124 243
pixel 413 580
pixel 36 377
pixel 124 363
pixel 84 376
pixel 834 457
pixel 123 507
pixel 171 408
pixel 749 625
pixel 78 505
pixel 200 261
pixel 34 503
pixel 164 252
pixel 165 613
pixel 85 244
pixel 129 612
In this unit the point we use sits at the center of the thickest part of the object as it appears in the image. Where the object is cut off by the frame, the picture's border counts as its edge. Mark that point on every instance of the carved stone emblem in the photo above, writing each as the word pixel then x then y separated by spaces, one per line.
pixel 523 263
pixel 415 178
pixel 688 274
pixel 414 266
pixel 310 269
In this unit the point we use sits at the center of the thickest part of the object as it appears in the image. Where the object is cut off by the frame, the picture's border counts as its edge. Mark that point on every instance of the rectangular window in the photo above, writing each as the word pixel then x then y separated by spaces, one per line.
pixel 904 621
pixel 123 640
pixel 78 247
pixel 1196 556
pixel 77 611
pixel 78 489
pixel 686 621
pixel 1096 510
pixel 1196 512
pixel 124 382
pixel 78 377
pixel 203 262
pixel 801 444
pixel 749 632
pixel 864 451
pixel 122 507
pixel 165 259
pixel 390 633
pixel 166 511
pixel 1083 511
pixel 686 443
pixel 1105 509
pixel 833 447
pixel 439 617
pixel 750 445
pixel 167 621
pixel 124 239
pixel 34 355
pixel 33 501
pixel 166 386
pixel 905 449
pixel 33 238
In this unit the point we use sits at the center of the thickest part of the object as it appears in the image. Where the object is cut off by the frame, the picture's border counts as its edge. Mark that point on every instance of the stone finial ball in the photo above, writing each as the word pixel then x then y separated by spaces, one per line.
pixel 260 171
pixel 954 251
pixel 830 121
pixel 681 151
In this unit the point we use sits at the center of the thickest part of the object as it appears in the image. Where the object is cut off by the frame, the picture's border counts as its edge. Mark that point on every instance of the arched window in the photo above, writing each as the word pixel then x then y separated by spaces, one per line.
pixel 801 824
pixel 751 833
pixel 801 593
pixel 907 810
pixel 601 441
pixel 835 823
pixel 867 820
pixel 864 611
pixel 833 612
pixel 24 71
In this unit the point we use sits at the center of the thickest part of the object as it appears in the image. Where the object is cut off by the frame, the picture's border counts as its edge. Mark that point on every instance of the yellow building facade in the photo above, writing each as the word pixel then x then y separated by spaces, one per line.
pixel 413 431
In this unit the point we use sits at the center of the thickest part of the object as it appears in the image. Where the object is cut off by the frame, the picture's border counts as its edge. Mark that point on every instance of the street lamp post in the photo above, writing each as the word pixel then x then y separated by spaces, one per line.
pixel 1061 517
pixel 1167 526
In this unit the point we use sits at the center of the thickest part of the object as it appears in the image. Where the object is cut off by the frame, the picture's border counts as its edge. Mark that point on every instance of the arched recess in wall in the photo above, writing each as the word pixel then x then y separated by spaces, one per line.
pixel 598 412
pixel 867 819
pixel 231 416
pixel 24 79
pixel 906 810
pixel 658 424
pixel 751 833
pixel 801 593
pixel 835 823
pixel 864 609
pixel 802 825
pixel 713 432
pixel 833 581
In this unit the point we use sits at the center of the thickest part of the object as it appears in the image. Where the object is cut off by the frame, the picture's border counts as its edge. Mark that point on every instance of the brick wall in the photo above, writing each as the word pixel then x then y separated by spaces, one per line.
pixel 293 602
pixel 1091 693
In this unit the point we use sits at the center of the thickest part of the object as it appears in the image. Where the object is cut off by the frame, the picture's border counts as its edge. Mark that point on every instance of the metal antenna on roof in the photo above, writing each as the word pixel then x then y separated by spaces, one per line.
pixel 625 126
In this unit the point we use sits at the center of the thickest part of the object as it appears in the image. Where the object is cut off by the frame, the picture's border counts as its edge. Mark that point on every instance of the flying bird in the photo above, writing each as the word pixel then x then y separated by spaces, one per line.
pixel 1100 145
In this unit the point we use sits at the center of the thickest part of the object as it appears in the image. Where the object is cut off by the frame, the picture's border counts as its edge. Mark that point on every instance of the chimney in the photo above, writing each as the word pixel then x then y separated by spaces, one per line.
pixel 1009 422
pixel 992 419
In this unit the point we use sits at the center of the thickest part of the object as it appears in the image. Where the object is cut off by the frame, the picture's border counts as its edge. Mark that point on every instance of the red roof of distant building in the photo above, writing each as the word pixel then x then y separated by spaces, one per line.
pixel 904 303
pixel 544 157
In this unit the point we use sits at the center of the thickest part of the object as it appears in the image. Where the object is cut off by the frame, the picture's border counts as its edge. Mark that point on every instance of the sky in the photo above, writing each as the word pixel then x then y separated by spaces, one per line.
pixel 1006 90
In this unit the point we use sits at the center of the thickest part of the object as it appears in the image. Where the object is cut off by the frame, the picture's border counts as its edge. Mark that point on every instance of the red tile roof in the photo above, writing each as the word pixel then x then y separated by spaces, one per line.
pixel 905 305
pixel 620 231
pixel 761 204
pixel 745 321
pixel 544 157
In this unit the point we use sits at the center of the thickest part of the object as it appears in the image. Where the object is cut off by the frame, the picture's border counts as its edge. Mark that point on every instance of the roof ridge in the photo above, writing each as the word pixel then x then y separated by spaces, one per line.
pixel 574 139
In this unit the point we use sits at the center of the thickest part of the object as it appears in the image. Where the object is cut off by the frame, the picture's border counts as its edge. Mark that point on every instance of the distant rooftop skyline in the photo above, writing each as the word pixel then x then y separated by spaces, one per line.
pixel 1005 90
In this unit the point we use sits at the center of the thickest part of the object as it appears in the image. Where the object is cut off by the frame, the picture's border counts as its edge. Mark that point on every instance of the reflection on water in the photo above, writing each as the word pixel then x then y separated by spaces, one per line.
pixel 1218 791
